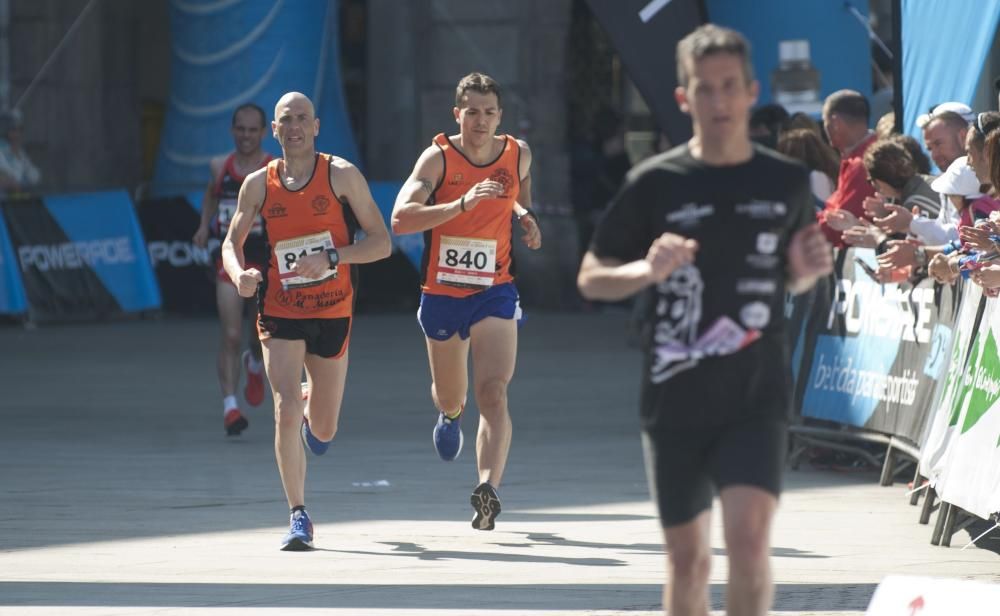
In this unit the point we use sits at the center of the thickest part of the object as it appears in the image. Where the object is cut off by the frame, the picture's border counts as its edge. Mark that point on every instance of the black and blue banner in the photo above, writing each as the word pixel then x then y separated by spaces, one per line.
pixel 645 34
pixel 870 354
pixel 185 272
pixel 81 256
pixel 12 299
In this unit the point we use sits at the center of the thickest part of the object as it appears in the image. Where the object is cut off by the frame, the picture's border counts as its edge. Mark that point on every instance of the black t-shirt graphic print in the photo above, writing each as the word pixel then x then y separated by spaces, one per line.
pixel 743 218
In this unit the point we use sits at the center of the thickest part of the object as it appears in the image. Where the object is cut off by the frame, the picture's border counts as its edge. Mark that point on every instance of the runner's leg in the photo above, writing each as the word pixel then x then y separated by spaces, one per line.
pixel 494 353
pixel 283 361
pixel 689 562
pixel 326 377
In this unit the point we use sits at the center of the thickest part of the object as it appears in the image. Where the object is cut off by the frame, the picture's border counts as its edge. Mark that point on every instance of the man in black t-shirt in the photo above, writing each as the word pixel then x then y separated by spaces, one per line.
pixel 717 229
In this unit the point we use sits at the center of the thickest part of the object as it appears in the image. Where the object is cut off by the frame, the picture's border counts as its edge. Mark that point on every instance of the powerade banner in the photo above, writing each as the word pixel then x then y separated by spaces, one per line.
pixel 81 256
pixel 12 300
pixel 184 271
pixel 970 478
pixel 645 33
pixel 876 357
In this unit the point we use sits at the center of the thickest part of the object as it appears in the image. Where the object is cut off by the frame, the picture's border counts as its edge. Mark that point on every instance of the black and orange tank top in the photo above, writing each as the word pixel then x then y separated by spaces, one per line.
pixel 297 223
pixel 471 252
pixel 227 191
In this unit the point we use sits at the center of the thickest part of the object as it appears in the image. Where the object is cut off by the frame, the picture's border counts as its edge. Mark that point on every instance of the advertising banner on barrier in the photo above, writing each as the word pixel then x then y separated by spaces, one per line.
pixel 81 256
pixel 941 424
pixel 185 272
pixel 12 299
pixel 970 478
pixel 875 358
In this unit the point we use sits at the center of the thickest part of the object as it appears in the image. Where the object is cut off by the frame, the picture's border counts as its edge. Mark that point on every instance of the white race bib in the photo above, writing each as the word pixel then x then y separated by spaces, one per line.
pixel 464 261
pixel 287 252
pixel 227 210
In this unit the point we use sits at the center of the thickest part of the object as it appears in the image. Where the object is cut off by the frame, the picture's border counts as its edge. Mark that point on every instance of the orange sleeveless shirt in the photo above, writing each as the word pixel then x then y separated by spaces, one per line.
pixel 297 223
pixel 471 252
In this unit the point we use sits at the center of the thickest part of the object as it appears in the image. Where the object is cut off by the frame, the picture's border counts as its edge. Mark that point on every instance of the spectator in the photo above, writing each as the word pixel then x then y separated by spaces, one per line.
pixel 845 120
pixel 944 128
pixel 893 174
pixel 962 187
pixel 983 144
pixel 806 146
pixel 900 191
pixel 800 119
pixel 766 123
pixel 886 125
pixel 17 172
pixel 915 151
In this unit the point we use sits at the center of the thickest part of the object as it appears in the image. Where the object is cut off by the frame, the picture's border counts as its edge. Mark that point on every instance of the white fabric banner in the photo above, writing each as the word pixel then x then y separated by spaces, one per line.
pixel 937 438
pixel 914 596
pixel 971 475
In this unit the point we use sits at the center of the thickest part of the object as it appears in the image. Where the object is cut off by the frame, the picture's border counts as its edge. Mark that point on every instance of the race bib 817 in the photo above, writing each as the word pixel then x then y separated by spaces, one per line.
pixel 287 252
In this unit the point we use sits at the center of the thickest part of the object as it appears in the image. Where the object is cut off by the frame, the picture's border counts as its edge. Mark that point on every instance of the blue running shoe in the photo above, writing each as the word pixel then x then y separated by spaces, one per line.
pixel 448 437
pixel 300 535
pixel 312 443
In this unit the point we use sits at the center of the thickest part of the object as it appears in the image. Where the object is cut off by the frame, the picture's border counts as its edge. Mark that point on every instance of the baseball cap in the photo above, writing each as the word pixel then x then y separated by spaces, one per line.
pixel 958 179
pixel 960 108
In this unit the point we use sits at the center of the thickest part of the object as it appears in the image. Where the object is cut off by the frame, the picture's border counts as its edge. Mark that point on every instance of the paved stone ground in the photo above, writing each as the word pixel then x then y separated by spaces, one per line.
pixel 119 493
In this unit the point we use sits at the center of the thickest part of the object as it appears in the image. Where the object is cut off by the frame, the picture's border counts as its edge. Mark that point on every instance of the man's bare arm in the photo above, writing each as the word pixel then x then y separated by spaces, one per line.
pixel 354 189
pixel 410 213
pixel 248 205
pixel 611 279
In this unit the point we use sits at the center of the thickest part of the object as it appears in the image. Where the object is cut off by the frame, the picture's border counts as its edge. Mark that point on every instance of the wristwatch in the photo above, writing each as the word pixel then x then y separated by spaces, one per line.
pixel 333 256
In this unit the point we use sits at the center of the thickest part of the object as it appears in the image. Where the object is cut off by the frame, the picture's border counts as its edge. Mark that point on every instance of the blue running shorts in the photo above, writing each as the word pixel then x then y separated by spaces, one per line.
pixel 441 316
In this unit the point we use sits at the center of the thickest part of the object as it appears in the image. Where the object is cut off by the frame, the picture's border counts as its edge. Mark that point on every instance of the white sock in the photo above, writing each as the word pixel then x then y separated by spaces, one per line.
pixel 229 403
pixel 253 364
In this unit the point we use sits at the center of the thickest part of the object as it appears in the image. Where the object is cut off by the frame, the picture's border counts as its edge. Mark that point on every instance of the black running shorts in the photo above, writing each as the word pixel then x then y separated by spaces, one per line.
pixel 323 337
pixel 726 424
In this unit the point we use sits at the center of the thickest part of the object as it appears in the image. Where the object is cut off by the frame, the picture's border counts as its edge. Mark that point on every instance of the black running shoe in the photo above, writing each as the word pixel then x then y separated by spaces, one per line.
pixel 486 504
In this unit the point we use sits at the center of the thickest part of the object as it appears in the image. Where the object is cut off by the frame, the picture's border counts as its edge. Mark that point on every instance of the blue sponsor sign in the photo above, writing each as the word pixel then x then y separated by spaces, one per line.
pixel 104 235
pixel 850 377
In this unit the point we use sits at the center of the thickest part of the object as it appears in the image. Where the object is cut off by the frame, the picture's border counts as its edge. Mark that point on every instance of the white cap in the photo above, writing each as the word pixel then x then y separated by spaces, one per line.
pixel 958 179
pixel 960 108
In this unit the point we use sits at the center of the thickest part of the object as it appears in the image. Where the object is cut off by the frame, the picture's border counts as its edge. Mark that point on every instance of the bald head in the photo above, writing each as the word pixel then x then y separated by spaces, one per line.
pixel 293 99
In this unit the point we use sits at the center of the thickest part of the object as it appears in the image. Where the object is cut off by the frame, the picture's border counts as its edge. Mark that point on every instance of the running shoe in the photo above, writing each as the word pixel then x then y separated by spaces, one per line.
pixel 254 390
pixel 234 422
pixel 486 504
pixel 300 533
pixel 448 437
pixel 312 443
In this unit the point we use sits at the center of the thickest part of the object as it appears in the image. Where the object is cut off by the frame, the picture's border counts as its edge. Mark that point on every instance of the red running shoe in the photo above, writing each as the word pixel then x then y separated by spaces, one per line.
pixel 235 422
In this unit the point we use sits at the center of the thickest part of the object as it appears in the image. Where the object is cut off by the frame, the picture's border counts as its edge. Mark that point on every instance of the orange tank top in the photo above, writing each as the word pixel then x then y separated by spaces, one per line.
pixel 471 252
pixel 297 223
